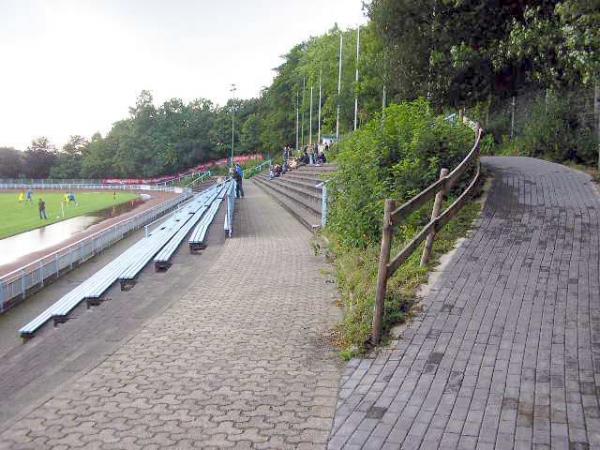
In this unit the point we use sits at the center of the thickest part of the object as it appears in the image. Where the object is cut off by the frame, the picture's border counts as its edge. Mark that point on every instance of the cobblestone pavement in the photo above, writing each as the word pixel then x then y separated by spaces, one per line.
pixel 506 353
pixel 241 360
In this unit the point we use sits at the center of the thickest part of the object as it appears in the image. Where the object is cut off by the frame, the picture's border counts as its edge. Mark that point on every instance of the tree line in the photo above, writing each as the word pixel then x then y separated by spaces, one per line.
pixel 455 53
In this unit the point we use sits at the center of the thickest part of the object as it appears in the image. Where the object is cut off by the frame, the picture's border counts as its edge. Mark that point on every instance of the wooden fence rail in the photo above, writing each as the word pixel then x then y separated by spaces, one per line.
pixel 393 216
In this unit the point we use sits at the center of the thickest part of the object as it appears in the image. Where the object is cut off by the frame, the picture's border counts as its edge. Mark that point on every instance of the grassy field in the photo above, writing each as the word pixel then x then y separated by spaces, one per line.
pixel 18 217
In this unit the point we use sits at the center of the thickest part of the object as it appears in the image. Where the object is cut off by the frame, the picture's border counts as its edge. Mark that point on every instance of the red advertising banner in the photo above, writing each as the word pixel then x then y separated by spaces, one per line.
pixel 241 159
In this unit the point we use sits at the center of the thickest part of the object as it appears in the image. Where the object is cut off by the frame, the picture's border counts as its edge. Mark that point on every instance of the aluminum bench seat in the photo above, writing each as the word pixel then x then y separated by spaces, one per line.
pixel 132 260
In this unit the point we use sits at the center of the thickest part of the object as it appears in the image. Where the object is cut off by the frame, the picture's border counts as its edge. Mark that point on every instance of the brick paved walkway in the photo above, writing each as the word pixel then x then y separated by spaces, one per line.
pixel 506 353
pixel 241 360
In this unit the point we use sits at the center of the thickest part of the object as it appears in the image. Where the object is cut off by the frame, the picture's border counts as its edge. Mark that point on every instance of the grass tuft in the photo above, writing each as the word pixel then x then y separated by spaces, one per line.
pixel 356 272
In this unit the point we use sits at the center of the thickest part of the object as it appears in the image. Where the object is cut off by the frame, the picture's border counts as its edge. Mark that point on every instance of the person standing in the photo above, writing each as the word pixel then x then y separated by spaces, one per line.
pixel 21 198
pixel 42 209
pixel 29 196
pixel 311 155
pixel 238 176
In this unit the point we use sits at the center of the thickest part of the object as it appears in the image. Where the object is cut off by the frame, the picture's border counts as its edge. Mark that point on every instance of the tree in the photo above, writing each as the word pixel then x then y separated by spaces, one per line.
pixel 250 139
pixel 559 40
pixel 68 162
pixel 39 158
pixel 11 162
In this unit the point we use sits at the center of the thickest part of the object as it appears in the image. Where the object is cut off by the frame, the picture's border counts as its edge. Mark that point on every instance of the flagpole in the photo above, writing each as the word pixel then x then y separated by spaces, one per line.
pixel 310 117
pixel 320 101
pixel 297 116
pixel 337 120
pixel 356 79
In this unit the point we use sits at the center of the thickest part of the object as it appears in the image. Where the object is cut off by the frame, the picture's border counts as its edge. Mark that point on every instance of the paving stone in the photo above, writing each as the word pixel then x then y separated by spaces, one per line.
pixel 242 358
pixel 514 319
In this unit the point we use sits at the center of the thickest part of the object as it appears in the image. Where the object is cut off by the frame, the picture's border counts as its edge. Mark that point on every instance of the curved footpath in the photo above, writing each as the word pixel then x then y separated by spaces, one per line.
pixel 506 353
pixel 241 359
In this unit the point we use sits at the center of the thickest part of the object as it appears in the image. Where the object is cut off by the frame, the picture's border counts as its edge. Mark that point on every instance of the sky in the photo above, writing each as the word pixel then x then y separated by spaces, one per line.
pixel 76 66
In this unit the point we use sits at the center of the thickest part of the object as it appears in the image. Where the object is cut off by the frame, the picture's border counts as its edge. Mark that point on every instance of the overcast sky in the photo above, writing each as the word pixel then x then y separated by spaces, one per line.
pixel 75 66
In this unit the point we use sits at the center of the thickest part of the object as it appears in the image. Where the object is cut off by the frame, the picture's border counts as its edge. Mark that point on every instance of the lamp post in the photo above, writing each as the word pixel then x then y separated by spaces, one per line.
pixel 339 90
pixel 356 78
pixel 232 90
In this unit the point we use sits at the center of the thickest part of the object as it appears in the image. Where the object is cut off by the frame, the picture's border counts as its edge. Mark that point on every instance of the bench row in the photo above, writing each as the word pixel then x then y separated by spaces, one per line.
pixel 129 264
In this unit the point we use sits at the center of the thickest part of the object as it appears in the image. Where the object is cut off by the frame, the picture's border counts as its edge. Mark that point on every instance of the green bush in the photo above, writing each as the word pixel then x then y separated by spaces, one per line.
pixel 394 158
pixel 556 131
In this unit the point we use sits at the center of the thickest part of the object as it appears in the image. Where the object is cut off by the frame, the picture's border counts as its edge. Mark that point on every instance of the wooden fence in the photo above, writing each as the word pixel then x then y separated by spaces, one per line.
pixel 393 216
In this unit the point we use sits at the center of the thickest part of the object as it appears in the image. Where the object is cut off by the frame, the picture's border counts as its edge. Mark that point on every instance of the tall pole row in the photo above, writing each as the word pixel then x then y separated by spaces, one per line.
pixel 232 90
pixel 303 96
pixel 356 79
pixel 320 101
pixel 337 120
pixel 297 116
pixel 310 121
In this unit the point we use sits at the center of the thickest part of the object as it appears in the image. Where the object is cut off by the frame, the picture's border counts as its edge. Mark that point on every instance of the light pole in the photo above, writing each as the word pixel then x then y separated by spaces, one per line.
pixel 297 117
pixel 320 101
pixel 339 90
pixel 310 121
pixel 232 90
pixel 356 78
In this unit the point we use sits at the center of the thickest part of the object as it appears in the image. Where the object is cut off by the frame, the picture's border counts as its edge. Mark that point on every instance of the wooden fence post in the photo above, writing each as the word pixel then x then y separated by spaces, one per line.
pixel 382 275
pixel 437 207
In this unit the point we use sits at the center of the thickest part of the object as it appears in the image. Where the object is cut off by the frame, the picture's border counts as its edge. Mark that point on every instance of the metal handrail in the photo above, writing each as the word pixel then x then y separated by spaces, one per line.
pixel 201 177
pixel 393 216
pixel 251 172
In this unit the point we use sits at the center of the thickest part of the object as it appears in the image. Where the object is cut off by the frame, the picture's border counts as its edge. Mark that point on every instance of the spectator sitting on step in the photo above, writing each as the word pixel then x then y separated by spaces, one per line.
pixel 321 159
pixel 305 159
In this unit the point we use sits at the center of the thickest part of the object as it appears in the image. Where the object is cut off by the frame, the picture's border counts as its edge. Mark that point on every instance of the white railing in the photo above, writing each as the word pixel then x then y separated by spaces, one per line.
pixel 230 195
pixel 17 284
pixel 86 185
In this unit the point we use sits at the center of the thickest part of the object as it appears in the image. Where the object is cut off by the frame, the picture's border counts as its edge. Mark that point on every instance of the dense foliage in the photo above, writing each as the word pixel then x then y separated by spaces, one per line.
pixel 395 157
pixel 459 52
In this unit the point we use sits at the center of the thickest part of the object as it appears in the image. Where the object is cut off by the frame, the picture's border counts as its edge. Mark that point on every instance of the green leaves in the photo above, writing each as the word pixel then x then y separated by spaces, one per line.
pixel 395 158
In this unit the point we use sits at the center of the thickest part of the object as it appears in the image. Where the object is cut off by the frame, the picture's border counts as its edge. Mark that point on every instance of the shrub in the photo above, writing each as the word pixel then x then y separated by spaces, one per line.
pixel 392 158
pixel 395 158
pixel 556 131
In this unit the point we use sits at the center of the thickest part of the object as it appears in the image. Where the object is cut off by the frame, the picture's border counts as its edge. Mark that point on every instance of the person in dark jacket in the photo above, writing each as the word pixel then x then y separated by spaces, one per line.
pixel 42 209
pixel 238 176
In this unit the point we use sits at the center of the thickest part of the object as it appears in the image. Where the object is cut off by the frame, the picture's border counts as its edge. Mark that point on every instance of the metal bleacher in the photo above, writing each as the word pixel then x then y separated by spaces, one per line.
pixel 198 236
pixel 160 244
pixel 212 202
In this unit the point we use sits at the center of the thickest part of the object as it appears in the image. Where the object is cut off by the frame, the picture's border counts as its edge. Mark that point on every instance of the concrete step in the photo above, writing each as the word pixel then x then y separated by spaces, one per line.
pixel 324 168
pixel 307 201
pixel 305 190
pixel 309 186
pixel 306 217
pixel 307 178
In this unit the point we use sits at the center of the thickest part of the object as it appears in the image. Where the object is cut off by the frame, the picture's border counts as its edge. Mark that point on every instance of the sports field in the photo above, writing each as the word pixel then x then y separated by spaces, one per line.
pixel 16 217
